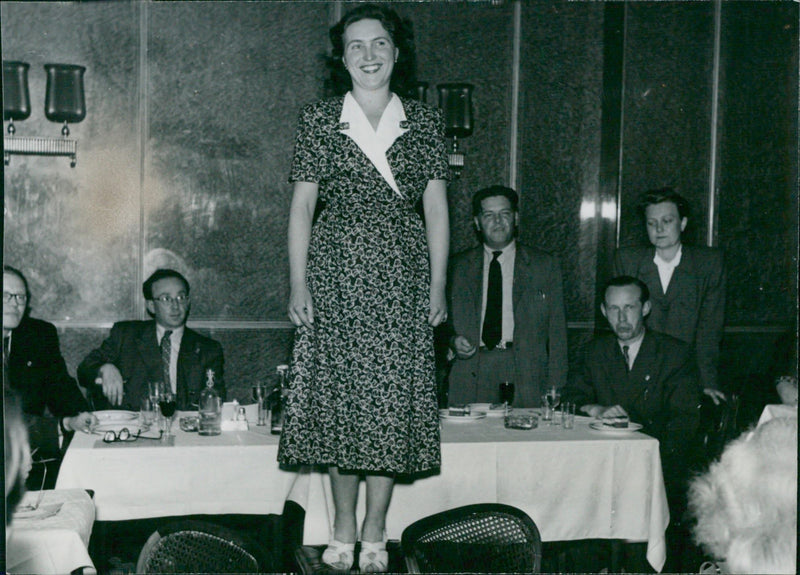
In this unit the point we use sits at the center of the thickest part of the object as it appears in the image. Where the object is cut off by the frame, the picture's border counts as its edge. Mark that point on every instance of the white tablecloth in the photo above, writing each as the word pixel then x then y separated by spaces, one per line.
pixel 575 484
pixel 55 544
pixel 235 472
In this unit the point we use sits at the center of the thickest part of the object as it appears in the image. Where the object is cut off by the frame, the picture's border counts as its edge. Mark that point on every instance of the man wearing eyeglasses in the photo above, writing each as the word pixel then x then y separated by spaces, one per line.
pixel 34 368
pixel 506 323
pixel 137 353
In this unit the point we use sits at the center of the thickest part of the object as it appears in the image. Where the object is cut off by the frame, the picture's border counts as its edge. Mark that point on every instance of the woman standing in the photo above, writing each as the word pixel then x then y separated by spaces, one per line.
pixel 367 282
pixel 686 283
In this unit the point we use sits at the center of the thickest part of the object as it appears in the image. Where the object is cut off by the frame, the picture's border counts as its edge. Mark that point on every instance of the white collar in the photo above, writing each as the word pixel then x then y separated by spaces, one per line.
pixel 660 262
pixel 374 143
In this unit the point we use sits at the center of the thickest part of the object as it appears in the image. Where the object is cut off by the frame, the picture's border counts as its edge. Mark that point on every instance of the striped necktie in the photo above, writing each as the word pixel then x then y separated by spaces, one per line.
pixel 166 353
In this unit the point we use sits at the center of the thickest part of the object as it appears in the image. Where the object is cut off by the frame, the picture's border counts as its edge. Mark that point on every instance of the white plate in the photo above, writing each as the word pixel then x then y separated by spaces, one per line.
pixel 489 410
pixel 600 426
pixel 474 416
pixel 115 416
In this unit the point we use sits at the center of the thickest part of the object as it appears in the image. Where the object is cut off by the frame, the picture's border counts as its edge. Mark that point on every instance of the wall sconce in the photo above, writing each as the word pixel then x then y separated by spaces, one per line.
pixel 64 102
pixel 455 100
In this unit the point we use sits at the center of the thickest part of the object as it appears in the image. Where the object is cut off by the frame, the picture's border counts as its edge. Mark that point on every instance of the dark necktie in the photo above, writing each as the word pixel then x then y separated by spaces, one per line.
pixel 493 318
pixel 166 352
pixel 627 355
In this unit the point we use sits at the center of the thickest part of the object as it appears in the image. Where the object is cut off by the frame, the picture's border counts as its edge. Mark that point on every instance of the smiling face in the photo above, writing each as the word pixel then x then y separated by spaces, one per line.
pixel 369 54
pixel 173 313
pixel 664 225
pixel 497 222
pixel 625 312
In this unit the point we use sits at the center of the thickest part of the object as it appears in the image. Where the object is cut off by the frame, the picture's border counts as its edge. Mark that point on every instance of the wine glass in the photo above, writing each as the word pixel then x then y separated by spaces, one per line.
pixel 553 398
pixel 167 402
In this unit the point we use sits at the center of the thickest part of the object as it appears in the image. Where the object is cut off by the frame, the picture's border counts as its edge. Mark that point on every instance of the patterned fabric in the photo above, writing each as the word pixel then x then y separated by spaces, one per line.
pixel 362 393
pixel 166 353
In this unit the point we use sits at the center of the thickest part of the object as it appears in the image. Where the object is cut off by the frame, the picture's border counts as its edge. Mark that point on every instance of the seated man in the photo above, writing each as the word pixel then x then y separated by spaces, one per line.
pixel 164 349
pixel 52 404
pixel 650 378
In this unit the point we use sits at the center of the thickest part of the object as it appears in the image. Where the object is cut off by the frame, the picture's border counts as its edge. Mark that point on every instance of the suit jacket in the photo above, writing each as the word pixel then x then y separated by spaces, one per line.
pixel 133 348
pixel 693 308
pixel 660 392
pixel 37 371
pixel 540 331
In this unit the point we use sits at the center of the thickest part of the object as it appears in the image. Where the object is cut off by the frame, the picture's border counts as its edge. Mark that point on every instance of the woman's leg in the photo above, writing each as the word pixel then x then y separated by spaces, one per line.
pixel 345 494
pixel 379 493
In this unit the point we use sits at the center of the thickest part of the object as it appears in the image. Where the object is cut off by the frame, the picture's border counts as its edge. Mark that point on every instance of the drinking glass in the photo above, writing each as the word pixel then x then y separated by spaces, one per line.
pixel 552 399
pixel 568 415
pixel 260 397
pixel 168 405
pixel 507 393
pixel 547 411
pixel 147 413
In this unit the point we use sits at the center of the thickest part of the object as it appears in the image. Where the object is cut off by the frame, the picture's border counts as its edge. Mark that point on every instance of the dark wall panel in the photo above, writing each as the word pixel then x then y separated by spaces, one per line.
pixel 469 42
pixel 559 139
pixel 758 160
pixel 222 119
pixel 667 109
pixel 74 231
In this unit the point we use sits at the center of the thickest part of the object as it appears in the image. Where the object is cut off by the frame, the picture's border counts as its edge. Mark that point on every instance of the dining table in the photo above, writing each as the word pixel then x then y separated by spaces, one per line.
pixel 773 410
pixel 579 483
pixel 49 533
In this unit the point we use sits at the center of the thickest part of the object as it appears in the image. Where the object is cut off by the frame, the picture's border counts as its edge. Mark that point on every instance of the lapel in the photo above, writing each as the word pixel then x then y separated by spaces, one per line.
pixel 647 271
pixel 475 270
pixel 187 351
pixel 523 274
pixel 682 276
pixel 148 348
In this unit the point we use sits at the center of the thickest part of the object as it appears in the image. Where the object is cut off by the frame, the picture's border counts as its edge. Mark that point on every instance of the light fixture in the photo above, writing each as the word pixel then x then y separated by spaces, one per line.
pixel 64 103
pixel 455 100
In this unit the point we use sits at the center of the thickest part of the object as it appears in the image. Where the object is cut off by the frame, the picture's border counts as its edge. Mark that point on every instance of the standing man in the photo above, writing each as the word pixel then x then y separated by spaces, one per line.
pixel 52 404
pixel 163 349
pixel 687 283
pixel 652 379
pixel 507 310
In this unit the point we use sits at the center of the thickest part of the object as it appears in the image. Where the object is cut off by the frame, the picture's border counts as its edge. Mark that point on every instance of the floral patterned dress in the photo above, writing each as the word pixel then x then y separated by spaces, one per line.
pixel 362 393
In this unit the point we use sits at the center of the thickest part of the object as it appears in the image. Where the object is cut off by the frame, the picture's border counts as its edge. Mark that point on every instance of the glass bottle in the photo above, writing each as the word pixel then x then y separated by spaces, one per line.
pixel 210 408
pixel 276 401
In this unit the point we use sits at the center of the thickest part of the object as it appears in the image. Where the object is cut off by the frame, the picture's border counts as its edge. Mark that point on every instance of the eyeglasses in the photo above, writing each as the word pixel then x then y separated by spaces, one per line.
pixel 19 298
pixel 167 299
pixel 124 434
pixel 43 462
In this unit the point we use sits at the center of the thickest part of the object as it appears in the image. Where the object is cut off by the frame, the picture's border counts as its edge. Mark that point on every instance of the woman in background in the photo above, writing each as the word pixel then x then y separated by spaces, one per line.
pixel 686 283
pixel 367 281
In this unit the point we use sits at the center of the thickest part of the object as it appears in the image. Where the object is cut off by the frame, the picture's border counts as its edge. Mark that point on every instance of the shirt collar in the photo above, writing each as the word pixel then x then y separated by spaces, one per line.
pixel 391 126
pixel 509 250
pixel 633 343
pixel 671 264
pixel 177 332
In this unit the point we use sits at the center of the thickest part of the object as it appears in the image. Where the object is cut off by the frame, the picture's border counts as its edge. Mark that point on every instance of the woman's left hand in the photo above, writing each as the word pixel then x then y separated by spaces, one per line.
pixel 438 312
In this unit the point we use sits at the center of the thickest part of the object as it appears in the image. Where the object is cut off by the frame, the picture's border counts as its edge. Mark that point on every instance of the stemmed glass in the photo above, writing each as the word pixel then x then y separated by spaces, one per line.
pixel 167 402
pixel 553 398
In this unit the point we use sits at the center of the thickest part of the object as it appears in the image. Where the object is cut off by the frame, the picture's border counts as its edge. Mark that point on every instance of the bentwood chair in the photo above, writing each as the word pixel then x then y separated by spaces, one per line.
pixel 191 546
pixel 480 538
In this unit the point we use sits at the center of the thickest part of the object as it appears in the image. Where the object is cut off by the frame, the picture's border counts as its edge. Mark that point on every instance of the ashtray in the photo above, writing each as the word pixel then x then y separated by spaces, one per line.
pixel 189 423
pixel 521 421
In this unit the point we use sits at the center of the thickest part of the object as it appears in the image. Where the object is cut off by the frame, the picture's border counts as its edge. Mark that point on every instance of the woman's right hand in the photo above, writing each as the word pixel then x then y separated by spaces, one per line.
pixel 301 310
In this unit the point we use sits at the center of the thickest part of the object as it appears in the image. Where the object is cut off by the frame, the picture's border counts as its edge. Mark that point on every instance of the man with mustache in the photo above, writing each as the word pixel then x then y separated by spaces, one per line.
pixel 651 378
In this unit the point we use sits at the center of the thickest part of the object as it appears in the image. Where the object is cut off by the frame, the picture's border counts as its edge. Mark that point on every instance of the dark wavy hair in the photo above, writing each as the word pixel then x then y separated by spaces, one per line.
pixel 661 195
pixel 400 31
pixel 624 281
pixel 160 274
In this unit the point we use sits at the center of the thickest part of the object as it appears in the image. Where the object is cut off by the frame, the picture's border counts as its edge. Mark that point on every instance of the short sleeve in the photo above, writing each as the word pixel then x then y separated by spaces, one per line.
pixel 307 163
pixel 438 167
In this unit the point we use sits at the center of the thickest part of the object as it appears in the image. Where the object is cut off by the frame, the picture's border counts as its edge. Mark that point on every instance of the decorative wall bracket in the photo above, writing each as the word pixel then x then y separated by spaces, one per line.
pixel 40 147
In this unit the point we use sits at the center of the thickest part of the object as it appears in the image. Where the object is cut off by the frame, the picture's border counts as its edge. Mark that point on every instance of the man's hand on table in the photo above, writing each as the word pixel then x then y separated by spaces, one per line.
pixel 601 411
pixel 85 422
pixel 113 386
